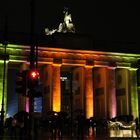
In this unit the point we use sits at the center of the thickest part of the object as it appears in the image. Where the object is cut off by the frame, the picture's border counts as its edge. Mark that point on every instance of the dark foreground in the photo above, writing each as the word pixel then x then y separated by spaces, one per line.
pixel 42 135
pixel 58 127
pixel 69 138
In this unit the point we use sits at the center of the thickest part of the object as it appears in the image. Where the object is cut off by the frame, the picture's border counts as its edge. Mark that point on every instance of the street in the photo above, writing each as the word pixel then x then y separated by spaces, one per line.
pixel 71 138
pixel 47 136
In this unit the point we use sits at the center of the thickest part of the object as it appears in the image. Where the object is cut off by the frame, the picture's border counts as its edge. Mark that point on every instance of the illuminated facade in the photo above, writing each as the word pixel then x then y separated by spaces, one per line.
pixel 101 84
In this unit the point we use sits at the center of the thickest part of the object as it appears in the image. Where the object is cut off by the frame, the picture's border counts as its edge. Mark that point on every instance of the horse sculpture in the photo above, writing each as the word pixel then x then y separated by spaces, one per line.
pixel 119 127
pixel 65 26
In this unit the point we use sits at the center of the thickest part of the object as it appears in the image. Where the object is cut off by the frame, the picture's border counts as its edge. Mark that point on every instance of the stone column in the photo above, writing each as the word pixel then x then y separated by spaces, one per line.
pixel 23 102
pixel 100 92
pixel 89 91
pixel 47 72
pixel 111 97
pixel 3 85
pixel 78 89
pixel 56 89
pixel 133 92
pixel 122 91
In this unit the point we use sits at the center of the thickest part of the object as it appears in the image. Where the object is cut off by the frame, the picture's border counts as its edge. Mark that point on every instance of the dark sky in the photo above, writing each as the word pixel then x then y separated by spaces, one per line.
pixel 104 20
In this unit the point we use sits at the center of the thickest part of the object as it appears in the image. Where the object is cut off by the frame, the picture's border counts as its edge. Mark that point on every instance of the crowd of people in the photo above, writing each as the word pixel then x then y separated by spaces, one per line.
pixel 79 126
pixel 16 127
pixel 58 124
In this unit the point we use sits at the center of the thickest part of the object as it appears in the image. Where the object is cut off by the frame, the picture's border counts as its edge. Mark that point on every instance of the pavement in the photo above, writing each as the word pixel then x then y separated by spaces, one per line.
pixel 69 138
pixel 46 137
pixel 43 135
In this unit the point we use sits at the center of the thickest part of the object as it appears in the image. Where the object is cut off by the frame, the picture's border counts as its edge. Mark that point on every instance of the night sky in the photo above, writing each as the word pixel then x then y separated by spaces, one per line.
pixel 104 20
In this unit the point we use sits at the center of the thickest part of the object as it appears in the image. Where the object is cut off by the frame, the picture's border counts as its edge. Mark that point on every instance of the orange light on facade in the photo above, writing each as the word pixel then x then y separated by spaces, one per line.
pixel 56 97
pixel 89 91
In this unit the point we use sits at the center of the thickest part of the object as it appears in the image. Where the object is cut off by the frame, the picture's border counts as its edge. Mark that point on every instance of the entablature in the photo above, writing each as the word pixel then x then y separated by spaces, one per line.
pixel 69 56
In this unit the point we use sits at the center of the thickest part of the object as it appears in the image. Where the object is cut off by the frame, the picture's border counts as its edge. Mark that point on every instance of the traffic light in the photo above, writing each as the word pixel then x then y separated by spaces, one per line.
pixel 33 83
pixel 36 91
pixel 33 75
pixel 21 82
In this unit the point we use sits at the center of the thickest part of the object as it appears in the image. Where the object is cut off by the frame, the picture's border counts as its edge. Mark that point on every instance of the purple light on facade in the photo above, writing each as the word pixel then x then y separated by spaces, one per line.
pixel 27 104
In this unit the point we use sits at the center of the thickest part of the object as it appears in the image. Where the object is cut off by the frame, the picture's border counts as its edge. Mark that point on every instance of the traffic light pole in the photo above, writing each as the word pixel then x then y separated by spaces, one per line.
pixel 32 48
pixel 32 61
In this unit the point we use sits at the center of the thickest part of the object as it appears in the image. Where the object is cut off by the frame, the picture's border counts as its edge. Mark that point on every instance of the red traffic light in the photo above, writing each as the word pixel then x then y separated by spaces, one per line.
pixel 34 74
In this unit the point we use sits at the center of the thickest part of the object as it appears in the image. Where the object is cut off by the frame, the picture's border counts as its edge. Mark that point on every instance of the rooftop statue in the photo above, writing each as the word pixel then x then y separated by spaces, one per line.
pixel 65 26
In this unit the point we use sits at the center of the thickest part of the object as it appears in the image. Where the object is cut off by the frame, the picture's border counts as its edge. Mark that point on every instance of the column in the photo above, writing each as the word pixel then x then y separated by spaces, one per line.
pixel 47 73
pixel 122 91
pixel 78 89
pixel 56 90
pixel 3 86
pixel 23 102
pixel 133 92
pixel 89 91
pixel 100 92
pixel 112 107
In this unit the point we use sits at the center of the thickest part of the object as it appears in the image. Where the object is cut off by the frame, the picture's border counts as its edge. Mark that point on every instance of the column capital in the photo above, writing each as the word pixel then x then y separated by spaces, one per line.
pixel 131 68
pixel 111 68
pixel 90 62
pixel 100 64
pixel 123 65
pixel 89 66
pixel 105 64
pixel 57 65
pixel 57 61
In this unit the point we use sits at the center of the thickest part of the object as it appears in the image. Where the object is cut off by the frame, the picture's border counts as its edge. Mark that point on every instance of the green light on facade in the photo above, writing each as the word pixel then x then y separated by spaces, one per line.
pixel 134 93
pixel 1 86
